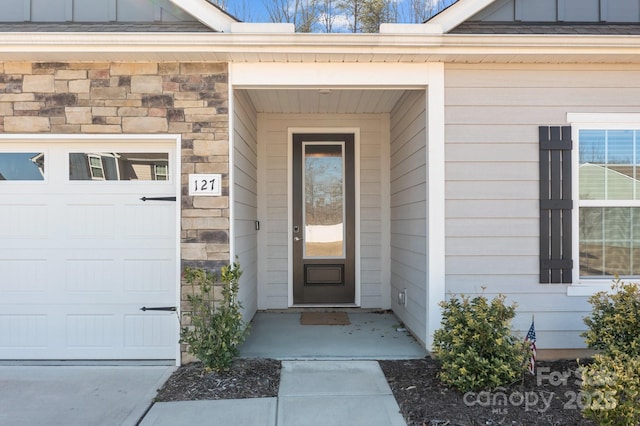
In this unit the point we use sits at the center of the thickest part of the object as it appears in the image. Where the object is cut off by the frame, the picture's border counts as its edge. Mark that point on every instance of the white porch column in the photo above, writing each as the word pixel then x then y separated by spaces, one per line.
pixel 435 200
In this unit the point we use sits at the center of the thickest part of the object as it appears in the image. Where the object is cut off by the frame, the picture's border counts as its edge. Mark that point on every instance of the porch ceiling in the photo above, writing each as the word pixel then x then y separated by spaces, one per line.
pixel 324 100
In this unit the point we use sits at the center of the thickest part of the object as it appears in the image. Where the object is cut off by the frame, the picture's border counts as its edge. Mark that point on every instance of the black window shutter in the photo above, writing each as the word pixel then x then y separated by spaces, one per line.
pixel 555 204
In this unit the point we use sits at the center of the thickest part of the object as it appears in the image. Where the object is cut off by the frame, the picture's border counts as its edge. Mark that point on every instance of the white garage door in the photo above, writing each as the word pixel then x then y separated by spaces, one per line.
pixel 81 253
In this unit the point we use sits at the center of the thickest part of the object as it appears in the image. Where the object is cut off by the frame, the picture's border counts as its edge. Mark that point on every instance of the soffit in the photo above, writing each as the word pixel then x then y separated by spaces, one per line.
pixel 324 101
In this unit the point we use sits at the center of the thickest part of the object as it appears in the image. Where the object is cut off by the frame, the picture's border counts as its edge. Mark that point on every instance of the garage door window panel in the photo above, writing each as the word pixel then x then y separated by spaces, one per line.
pixel 119 166
pixel 22 166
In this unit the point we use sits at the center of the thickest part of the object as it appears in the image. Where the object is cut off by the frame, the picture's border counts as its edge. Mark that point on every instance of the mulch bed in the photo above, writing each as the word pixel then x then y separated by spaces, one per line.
pixel 552 397
pixel 248 378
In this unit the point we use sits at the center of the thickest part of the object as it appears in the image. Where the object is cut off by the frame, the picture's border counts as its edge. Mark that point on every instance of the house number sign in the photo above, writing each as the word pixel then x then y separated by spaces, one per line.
pixel 205 184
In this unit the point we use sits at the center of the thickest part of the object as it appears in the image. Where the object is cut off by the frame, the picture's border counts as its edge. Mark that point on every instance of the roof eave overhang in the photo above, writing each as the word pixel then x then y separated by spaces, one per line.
pixel 141 47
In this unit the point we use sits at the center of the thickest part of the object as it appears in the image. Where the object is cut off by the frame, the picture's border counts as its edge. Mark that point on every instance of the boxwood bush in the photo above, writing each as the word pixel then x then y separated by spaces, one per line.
pixel 475 346
pixel 611 384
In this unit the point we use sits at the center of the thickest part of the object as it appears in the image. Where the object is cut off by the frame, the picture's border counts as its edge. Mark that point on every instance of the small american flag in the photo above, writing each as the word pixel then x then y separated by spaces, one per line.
pixel 531 339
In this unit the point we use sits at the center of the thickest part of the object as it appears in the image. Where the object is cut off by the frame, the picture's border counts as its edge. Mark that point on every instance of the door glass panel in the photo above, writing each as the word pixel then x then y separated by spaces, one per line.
pixel 21 166
pixel 324 213
pixel 119 166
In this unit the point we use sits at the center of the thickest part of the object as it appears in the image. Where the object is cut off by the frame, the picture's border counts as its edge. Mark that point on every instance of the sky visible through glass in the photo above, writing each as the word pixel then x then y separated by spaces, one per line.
pixel 19 166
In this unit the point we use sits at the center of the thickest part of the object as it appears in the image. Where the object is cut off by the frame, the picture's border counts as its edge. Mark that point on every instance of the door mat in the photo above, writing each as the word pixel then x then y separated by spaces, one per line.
pixel 324 318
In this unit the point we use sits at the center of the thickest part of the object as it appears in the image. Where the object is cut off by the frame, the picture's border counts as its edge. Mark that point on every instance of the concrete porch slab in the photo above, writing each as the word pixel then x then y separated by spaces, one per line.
pixel 370 335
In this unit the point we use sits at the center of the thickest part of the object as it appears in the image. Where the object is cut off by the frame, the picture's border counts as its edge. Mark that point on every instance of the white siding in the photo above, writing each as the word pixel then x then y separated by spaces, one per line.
pixel 492 118
pixel 374 240
pixel 245 207
pixel 408 208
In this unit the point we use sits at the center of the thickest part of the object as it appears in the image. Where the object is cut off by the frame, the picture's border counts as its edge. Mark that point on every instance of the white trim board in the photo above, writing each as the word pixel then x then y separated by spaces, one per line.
pixel 342 75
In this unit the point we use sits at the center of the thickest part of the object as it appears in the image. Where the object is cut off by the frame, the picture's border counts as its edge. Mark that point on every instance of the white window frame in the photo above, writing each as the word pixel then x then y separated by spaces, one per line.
pixel 92 167
pixel 589 121
pixel 164 174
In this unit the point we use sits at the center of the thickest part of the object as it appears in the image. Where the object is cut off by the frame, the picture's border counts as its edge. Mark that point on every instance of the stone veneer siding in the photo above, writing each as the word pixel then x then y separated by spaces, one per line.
pixel 190 99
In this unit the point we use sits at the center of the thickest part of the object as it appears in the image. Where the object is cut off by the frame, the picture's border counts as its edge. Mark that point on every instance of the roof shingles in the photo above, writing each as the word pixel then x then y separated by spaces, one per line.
pixel 104 27
pixel 552 28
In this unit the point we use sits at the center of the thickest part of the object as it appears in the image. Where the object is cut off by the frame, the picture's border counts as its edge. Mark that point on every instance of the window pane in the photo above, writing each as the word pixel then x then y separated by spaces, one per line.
pixel 592 161
pixel 621 165
pixel 23 166
pixel 609 241
pixel 608 165
pixel 123 166
pixel 324 207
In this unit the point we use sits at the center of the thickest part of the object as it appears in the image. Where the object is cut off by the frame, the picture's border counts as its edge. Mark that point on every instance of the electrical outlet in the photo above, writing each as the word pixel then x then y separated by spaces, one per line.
pixel 402 297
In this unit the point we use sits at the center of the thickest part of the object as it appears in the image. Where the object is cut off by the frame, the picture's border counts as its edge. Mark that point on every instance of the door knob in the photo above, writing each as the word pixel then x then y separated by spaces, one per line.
pixel 296 239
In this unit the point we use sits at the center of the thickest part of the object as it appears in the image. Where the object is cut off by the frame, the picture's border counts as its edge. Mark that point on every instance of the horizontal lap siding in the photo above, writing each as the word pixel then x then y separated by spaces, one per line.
pixel 245 198
pixel 408 180
pixel 492 207
pixel 273 292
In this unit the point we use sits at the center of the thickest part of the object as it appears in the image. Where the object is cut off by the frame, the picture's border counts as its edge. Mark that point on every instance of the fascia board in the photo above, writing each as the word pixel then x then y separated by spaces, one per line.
pixel 207 13
pixel 110 45
pixel 458 13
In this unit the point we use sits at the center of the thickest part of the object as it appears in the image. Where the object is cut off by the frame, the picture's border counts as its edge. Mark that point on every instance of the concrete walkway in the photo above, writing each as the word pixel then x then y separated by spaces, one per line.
pixel 78 395
pixel 311 393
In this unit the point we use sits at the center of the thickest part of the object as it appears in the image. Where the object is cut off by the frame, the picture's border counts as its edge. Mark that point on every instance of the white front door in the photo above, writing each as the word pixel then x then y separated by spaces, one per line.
pixel 81 253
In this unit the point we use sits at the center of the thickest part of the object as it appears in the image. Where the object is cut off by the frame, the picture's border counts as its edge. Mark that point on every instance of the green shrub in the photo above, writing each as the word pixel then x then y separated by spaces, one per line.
pixel 475 346
pixel 611 390
pixel 611 384
pixel 614 324
pixel 216 328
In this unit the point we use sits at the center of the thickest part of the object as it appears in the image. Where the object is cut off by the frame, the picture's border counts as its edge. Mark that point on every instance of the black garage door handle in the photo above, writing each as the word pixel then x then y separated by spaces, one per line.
pixel 158 198
pixel 162 308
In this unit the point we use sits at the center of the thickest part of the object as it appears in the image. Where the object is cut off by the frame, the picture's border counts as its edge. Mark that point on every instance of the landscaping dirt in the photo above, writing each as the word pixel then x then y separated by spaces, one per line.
pixel 551 397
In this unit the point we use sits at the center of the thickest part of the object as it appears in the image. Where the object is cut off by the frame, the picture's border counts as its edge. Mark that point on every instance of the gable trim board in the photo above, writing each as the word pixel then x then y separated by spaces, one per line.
pixel 207 13
pixel 457 13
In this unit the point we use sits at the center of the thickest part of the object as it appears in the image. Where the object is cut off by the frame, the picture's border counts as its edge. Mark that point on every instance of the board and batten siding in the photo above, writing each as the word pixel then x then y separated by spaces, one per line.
pixel 561 11
pixel 273 202
pixel 408 209
pixel 491 181
pixel 245 199
pixel 90 11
